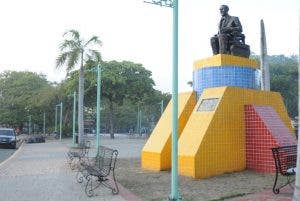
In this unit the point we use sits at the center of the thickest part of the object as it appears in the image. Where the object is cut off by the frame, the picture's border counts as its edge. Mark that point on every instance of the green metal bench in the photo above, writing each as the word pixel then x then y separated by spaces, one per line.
pixel 285 158
pixel 99 170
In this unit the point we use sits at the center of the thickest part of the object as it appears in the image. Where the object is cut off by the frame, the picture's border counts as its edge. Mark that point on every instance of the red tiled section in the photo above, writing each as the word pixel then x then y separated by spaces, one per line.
pixel 275 125
pixel 264 130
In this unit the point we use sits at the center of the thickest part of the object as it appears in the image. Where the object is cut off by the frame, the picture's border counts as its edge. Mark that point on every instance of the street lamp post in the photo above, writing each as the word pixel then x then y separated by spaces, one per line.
pixel 60 120
pixel 174 174
pixel 98 105
pixel 29 125
pixel 139 120
pixel 161 107
pixel 44 124
pixel 55 125
pixel 74 117
pixel 297 179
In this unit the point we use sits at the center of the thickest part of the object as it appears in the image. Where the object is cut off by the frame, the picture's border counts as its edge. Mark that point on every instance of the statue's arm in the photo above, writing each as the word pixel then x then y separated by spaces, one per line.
pixel 235 26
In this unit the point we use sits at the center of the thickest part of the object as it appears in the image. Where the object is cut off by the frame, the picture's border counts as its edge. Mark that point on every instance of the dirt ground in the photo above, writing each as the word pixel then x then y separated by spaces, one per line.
pixel 155 186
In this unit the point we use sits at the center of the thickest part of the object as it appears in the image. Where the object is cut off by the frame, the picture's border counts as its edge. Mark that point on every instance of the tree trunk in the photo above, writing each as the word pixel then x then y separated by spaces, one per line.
pixel 111 119
pixel 67 115
pixel 80 105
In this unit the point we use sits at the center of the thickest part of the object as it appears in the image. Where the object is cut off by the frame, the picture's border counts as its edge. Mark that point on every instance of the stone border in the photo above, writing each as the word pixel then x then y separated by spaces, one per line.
pixel 127 195
pixel 13 155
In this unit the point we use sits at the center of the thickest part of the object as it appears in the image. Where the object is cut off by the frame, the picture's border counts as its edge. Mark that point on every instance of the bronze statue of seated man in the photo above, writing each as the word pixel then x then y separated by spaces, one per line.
pixel 229 39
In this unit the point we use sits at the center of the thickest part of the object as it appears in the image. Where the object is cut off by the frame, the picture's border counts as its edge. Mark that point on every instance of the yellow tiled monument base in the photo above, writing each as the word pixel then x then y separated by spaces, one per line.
pixel 156 154
pixel 213 142
pixel 225 60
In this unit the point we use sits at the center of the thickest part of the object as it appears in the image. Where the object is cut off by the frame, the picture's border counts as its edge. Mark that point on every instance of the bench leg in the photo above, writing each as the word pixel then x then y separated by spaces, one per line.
pixel 69 159
pixel 89 192
pixel 116 189
pixel 79 177
pixel 75 162
pixel 275 190
pixel 107 182
pixel 289 182
pixel 89 189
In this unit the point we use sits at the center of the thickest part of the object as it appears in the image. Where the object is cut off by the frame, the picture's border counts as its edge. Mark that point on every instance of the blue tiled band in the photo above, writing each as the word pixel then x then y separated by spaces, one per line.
pixel 217 76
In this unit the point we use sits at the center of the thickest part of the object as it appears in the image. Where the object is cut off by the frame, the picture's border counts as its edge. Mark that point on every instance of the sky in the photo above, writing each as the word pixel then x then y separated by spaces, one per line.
pixel 132 30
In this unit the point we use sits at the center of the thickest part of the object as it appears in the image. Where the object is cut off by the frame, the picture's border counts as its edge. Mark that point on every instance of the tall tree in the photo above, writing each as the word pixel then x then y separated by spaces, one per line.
pixel 284 79
pixel 23 94
pixel 113 88
pixel 76 51
pixel 121 81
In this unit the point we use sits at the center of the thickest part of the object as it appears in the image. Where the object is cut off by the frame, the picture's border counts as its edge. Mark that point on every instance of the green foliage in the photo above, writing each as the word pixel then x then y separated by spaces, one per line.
pixel 23 94
pixel 76 51
pixel 124 86
pixel 284 79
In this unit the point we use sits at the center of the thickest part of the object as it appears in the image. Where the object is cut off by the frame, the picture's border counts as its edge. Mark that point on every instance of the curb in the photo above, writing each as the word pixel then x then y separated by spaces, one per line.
pixel 126 194
pixel 13 155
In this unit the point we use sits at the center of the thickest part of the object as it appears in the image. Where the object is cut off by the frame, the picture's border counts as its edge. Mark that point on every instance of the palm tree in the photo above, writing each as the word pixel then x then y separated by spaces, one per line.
pixel 76 51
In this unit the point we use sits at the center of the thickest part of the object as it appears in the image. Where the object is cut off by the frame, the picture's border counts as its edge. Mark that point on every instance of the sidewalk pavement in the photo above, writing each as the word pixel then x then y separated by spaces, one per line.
pixel 39 172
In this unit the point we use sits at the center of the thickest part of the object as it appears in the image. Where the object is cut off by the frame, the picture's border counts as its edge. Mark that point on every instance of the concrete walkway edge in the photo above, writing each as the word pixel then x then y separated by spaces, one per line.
pixel 127 195
pixel 13 155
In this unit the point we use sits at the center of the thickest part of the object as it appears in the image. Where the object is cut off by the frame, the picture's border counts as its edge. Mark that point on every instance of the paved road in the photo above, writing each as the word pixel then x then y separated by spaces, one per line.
pixel 39 172
pixel 127 148
pixel 5 153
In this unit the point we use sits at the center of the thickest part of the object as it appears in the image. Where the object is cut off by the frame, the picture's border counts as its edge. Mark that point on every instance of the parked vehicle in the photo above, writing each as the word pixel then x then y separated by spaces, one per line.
pixel 8 137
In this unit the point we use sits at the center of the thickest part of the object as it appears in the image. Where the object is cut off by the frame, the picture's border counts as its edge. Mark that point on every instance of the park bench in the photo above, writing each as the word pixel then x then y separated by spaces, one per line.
pixel 99 170
pixel 285 158
pixel 74 156
pixel 35 139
